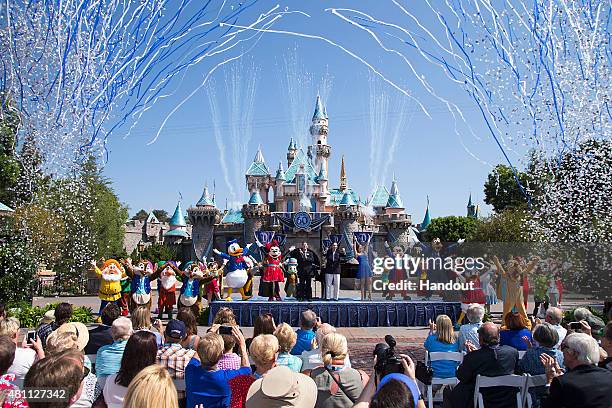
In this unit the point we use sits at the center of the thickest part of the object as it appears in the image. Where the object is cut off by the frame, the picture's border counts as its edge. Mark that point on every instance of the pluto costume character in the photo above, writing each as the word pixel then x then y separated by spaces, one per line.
pixel 110 285
pixel 236 276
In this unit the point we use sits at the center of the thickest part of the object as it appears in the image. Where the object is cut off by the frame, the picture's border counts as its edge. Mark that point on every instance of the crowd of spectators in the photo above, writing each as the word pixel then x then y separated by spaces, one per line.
pixel 139 363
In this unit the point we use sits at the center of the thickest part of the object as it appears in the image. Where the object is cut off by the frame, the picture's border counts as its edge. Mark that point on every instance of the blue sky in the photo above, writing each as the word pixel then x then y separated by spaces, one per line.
pixel 430 159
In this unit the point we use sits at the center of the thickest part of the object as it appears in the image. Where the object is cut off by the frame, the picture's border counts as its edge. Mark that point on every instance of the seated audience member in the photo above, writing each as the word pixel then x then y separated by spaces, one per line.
pixel 205 383
pixel 469 332
pixel 582 313
pixel 229 360
pixel 67 338
pixel 25 355
pixel 65 370
pixel 63 314
pixel 263 351
pixel 191 328
pixel 546 337
pixel 151 387
pixel 101 334
pixel 7 354
pixel 584 384
pixel 281 387
pixel 264 324
pixel 172 355
pixel 286 340
pixel 393 391
pixel 141 320
pixel 305 334
pixel 337 385
pixel 514 332
pixel 108 358
pixel 140 352
pixel 554 316
pixel 312 358
pixel 490 360
pixel 225 317
pixel 606 344
pixel 442 338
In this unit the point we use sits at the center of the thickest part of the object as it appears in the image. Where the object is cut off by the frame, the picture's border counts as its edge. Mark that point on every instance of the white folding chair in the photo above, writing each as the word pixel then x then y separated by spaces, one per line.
pixel 522 353
pixel 436 356
pixel 518 381
pixel 533 381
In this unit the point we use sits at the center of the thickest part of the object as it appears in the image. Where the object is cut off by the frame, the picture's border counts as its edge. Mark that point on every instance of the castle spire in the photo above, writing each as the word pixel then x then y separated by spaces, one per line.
pixel 395 200
pixel 206 200
pixel 426 219
pixel 319 112
pixel 342 176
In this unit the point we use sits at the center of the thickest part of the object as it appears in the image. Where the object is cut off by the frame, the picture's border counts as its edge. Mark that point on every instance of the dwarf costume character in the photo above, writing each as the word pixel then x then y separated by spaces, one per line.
pixel 513 296
pixel 212 287
pixel 273 273
pixel 110 285
pixel 141 275
pixel 291 284
pixel 166 287
pixel 192 276
pixel 236 269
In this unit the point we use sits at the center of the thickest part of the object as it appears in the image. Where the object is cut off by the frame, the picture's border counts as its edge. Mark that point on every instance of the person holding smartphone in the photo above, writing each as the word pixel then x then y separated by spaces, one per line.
pixel 27 353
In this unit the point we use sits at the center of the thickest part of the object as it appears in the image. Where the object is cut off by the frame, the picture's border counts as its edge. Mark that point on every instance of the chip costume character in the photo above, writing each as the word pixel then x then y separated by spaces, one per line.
pixel 236 269
pixel 192 276
pixel 212 288
pixel 141 276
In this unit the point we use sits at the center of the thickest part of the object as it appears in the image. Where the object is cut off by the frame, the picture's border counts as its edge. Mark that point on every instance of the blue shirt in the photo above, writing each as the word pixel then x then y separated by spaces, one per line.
pixel 293 362
pixel 304 341
pixel 514 338
pixel 442 368
pixel 108 358
pixel 210 388
pixel 469 332
pixel 531 364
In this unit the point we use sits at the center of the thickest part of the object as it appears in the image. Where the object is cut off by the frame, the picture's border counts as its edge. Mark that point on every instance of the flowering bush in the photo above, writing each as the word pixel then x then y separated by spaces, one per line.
pixel 30 316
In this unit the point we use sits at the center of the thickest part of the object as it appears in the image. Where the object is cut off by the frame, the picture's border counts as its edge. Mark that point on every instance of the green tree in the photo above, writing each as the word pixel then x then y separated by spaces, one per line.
pixel 17 270
pixel 141 215
pixel 44 230
pixel 450 229
pixel 507 226
pixel 158 252
pixel 502 191
pixel 162 215
pixel 9 166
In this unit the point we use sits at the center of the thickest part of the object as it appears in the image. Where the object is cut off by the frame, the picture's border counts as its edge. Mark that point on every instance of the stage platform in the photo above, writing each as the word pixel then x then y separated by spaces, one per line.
pixel 344 312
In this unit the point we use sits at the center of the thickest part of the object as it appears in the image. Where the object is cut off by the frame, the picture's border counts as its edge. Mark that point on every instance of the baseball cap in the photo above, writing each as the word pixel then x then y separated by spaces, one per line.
pixel 281 387
pixel 175 329
pixel 410 383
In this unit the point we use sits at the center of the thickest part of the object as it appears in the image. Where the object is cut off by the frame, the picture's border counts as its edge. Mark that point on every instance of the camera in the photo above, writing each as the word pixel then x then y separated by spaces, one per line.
pixel 387 362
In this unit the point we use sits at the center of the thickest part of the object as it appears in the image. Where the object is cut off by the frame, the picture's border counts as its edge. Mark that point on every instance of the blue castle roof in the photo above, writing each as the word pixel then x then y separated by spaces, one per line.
pixel 319 112
pixel 178 219
pixel 380 197
pixel 255 198
pixel 206 200
pixel 395 200
pixel 426 219
pixel 258 167
pixel 347 199
pixel 301 159
pixel 176 233
pixel 280 173
pixel 233 217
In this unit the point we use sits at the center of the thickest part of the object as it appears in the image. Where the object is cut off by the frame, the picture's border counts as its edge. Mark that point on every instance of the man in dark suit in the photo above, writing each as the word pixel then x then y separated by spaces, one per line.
pixel 584 384
pixel 101 334
pixel 332 272
pixel 491 360
pixel 308 264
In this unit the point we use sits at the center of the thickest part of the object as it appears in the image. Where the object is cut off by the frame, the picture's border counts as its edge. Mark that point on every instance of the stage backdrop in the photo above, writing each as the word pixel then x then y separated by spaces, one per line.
pixel 348 313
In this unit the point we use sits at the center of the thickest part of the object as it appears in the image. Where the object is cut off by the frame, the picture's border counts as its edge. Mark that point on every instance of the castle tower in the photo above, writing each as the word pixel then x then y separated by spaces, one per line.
pixel 291 152
pixel 203 218
pixel 323 182
pixel 258 176
pixel 426 219
pixel 472 210
pixel 319 150
pixel 178 227
pixel 278 188
pixel 394 218
pixel 345 221
pixel 343 184
pixel 255 214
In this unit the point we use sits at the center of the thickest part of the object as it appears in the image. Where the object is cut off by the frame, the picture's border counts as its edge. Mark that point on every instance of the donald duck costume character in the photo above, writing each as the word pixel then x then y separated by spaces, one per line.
pixel 236 267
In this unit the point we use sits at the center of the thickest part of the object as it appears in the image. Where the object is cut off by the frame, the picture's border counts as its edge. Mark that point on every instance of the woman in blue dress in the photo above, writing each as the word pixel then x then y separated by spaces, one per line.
pixel 364 272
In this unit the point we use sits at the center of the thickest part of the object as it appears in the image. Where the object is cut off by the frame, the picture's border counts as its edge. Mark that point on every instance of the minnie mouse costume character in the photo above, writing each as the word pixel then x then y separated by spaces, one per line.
pixel 273 272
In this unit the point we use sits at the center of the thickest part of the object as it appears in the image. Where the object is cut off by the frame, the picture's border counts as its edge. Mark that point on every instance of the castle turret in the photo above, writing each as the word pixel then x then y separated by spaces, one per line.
pixel 343 184
pixel 278 187
pixel 394 218
pixel 319 150
pixel 178 227
pixel 256 214
pixel 426 219
pixel 472 210
pixel 291 152
pixel 346 215
pixel 203 218
pixel 259 175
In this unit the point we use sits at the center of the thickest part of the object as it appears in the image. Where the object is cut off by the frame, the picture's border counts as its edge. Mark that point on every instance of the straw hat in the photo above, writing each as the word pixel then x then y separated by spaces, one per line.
pixel 77 328
pixel 281 387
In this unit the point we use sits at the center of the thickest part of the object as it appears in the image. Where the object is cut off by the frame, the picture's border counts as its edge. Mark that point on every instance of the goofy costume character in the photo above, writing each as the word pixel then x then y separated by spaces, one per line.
pixel 236 267
pixel 110 285
pixel 166 287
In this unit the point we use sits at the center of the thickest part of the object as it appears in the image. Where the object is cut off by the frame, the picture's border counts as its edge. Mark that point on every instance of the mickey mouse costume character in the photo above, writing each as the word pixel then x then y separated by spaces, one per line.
pixel 236 267
pixel 273 272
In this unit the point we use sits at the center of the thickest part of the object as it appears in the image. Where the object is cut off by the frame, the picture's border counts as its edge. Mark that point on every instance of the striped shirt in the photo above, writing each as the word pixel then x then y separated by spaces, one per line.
pixel 175 358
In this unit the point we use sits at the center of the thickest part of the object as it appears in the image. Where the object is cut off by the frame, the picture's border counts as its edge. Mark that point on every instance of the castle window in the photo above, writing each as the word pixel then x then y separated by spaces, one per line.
pixel 301 183
pixel 319 142
pixel 313 204
pixel 289 206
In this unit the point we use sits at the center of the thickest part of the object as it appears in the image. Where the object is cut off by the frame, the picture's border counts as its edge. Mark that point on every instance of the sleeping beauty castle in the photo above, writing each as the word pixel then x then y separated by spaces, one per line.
pixel 295 201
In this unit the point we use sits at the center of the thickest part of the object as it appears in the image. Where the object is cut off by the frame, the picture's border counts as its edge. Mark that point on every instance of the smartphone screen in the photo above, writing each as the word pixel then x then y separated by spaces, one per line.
pixel 31 336
pixel 225 330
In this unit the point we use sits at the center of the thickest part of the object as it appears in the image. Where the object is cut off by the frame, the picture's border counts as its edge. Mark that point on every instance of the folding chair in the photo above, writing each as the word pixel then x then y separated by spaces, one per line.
pixel 532 382
pixel 436 356
pixel 517 381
